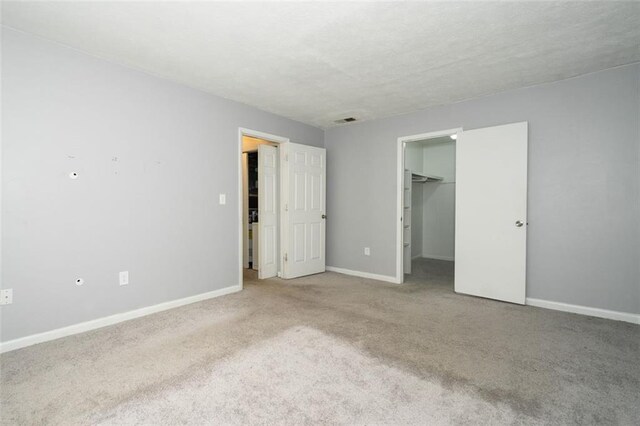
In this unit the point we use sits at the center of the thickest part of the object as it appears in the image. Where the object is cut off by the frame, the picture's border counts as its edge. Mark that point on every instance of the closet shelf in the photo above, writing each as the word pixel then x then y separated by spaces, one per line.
pixel 422 177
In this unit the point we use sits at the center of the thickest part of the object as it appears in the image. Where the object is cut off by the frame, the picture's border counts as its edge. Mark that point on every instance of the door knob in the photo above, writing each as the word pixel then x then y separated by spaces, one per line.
pixel 324 216
pixel 519 223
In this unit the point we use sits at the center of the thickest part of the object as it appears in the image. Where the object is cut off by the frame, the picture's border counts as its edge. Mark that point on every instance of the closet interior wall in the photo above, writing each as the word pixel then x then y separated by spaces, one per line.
pixel 438 201
pixel 432 203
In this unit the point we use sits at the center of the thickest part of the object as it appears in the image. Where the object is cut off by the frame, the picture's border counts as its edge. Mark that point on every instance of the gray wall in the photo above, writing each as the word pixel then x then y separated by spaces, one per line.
pixel 152 158
pixel 584 194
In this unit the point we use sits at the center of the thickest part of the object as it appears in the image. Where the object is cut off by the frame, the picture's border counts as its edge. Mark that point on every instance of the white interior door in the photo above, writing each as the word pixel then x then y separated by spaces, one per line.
pixel 268 211
pixel 491 212
pixel 304 211
pixel 245 210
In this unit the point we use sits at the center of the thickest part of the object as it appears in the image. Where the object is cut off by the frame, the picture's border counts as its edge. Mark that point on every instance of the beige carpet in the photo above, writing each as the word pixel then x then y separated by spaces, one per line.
pixel 303 376
pixel 334 349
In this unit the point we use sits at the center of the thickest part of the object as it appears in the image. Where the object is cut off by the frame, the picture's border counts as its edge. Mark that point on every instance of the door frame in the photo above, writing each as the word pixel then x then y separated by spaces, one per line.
pixel 280 140
pixel 402 141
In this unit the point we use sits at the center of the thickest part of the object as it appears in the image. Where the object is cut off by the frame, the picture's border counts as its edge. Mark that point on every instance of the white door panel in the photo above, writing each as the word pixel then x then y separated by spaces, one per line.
pixel 268 211
pixel 305 225
pixel 491 199
pixel 245 211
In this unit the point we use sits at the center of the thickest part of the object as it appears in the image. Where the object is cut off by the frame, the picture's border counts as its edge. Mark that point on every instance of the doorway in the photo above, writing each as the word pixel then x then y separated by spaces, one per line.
pixel 428 209
pixel 254 185
pixel 281 207
pixel 259 204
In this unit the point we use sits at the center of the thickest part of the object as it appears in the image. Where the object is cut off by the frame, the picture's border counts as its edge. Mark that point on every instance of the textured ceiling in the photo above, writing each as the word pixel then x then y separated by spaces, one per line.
pixel 318 62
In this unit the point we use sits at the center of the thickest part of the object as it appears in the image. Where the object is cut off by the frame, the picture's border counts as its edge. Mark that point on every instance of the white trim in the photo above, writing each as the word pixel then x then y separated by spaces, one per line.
pixel 417 256
pixel 82 327
pixel 584 310
pixel 436 257
pixel 261 135
pixel 400 190
pixel 400 208
pixel 363 274
pixel 283 200
pixel 271 138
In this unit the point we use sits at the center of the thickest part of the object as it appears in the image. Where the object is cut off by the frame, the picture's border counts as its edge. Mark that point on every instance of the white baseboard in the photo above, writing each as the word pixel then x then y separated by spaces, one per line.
pixel 363 274
pixel 110 320
pixel 436 257
pixel 585 310
pixel 417 256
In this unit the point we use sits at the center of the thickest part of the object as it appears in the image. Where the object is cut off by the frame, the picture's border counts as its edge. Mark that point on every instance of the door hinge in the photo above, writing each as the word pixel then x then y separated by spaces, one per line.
pixel 286 258
pixel 286 207
pixel 286 157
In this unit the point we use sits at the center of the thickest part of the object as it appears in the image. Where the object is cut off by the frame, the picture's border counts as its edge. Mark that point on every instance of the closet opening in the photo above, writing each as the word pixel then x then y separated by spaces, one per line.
pixel 427 209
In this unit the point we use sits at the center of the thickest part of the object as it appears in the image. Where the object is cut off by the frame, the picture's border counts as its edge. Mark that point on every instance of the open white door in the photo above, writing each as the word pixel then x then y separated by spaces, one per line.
pixel 268 211
pixel 304 234
pixel 491 212
pixel 245 211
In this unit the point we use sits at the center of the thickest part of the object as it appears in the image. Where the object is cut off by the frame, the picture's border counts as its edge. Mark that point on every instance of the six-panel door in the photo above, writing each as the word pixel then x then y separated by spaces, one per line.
pixel 305 212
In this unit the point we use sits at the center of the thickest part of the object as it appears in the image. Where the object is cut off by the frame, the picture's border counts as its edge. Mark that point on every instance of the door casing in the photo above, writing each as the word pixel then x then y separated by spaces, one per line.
pixel 402 141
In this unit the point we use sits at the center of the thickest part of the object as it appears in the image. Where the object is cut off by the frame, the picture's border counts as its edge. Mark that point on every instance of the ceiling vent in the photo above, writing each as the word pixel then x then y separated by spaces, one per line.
pixel 345 120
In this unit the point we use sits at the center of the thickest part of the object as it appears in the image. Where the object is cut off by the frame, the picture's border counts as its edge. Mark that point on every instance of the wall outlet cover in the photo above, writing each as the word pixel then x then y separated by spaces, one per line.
pixel 223 199
pixel 367 251
pixel 6 296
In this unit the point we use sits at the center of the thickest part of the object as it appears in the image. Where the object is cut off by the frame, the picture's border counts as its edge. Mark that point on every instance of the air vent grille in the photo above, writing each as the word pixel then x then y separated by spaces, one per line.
pixel 345 120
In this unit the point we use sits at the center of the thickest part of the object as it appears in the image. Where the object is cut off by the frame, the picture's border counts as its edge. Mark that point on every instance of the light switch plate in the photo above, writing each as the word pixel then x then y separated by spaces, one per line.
pixel 124 278
pixel 223 199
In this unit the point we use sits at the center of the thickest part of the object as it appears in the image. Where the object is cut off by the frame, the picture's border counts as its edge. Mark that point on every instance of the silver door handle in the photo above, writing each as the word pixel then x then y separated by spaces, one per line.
pixel 519 223
pixel 324 216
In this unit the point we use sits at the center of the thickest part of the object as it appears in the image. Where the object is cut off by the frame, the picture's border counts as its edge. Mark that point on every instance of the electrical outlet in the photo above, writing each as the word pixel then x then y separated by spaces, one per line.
pixel 124 278
pixel 223 199
pixel 367 251
pixel 6 296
